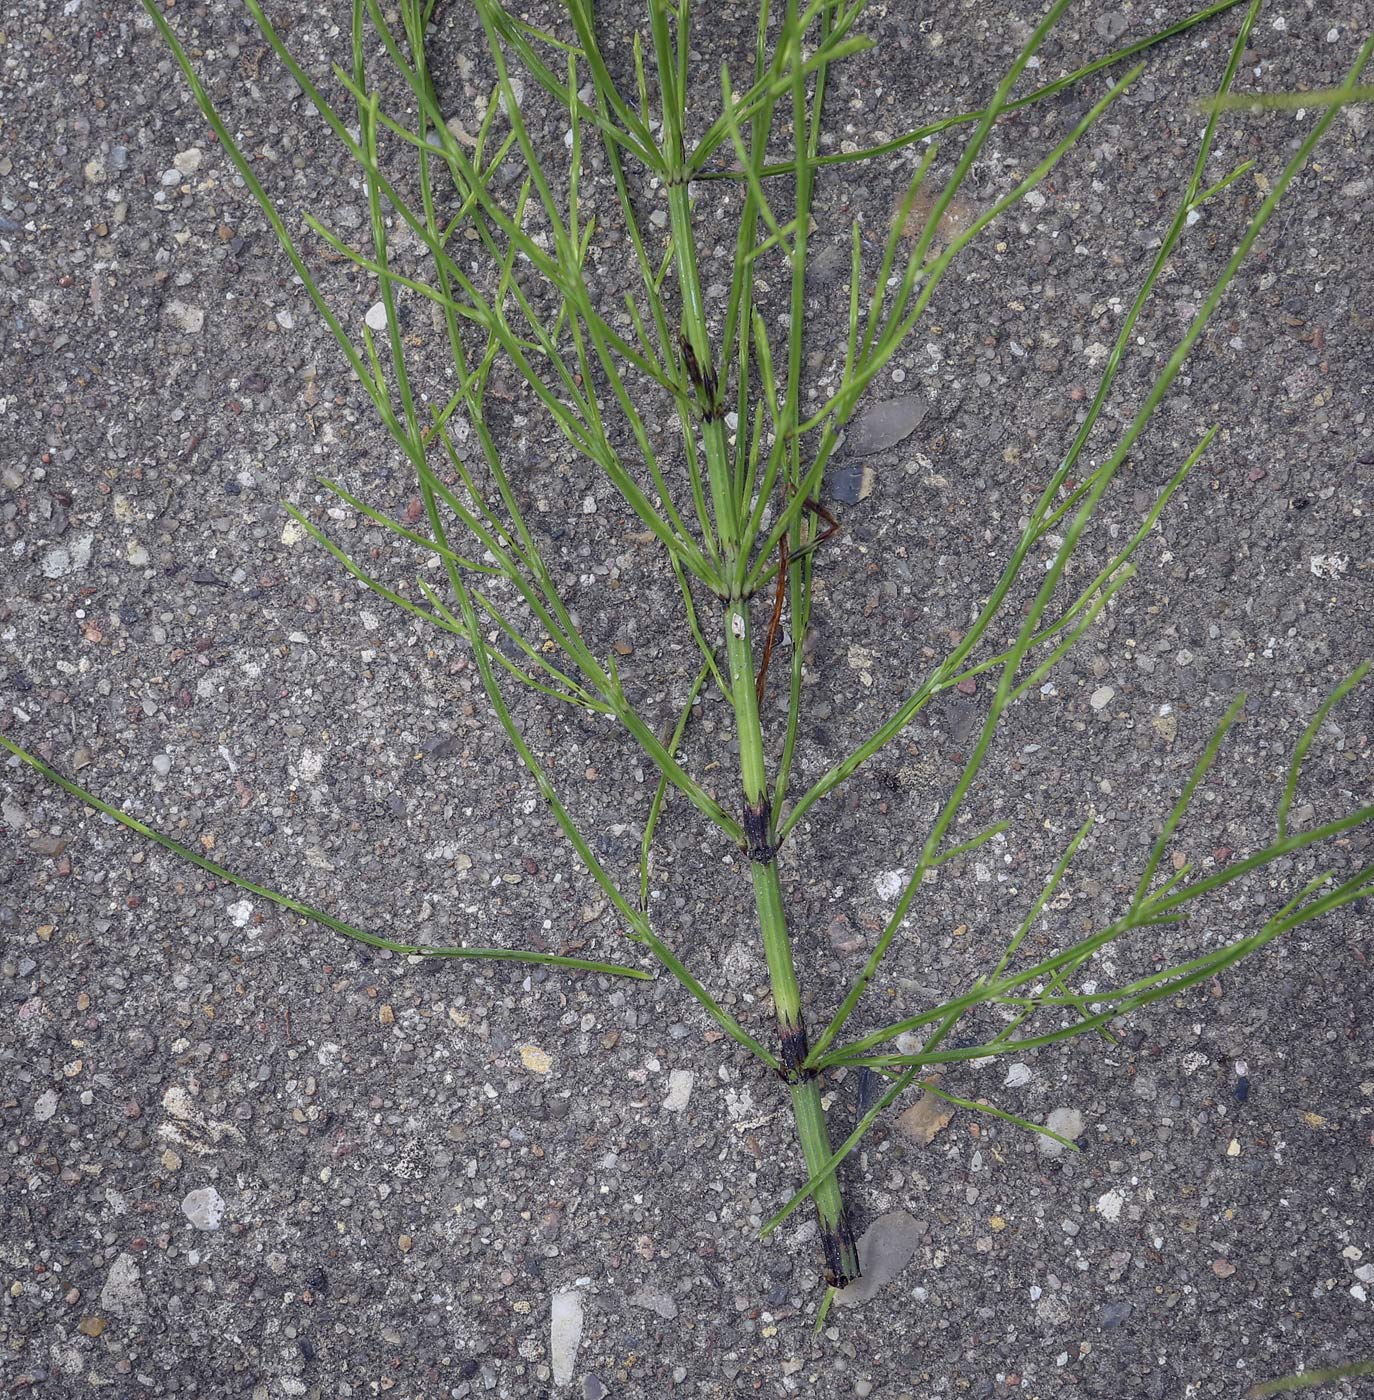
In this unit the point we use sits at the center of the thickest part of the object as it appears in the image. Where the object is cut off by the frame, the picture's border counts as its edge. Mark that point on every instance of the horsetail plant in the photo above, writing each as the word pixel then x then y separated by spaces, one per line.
pixel 738 515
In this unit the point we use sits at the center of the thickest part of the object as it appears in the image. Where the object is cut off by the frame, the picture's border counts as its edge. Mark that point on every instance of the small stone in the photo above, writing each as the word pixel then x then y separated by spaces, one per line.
pixel 67 559
pixel 1111 1315
pixel 190 319
pixel 890 884
pixel 386 1015
pixel 884 425
pixel 204 1208
pixel 849 485
pixel 655 1301
pixel 405 1243
pixel 188 161
pixel 844 937
pixel 535 1060
pixel 1018 1076
pixel 1223 1268
pixel 136 554
pixel 680 1083
pixel 45 1105
pixel 863 1388
pixel 162 765
pixel 1102 697
pixel 240 912
pixel 1109 1205
pixel 1068 1123
pixel 926 1118
pixel 123 1291
pixel 565 1334
pixel 91 1326
pixel 831 265
pixel 1166 724
pixel 887 1247
pixel 376 316
pixel 594 1388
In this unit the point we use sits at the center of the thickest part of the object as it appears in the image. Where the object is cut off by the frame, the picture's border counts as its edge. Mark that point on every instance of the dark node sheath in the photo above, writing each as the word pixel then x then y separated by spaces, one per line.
pixel 757 821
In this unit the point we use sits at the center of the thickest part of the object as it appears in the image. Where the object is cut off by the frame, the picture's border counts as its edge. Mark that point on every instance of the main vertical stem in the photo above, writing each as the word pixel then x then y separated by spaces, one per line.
pixel 837 1240
pixel 841 1256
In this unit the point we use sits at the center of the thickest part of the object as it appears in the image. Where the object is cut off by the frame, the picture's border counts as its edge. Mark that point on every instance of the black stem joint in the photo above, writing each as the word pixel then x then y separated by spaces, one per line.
pixel 704 382
pixel 841 1253
pixel 792 1066
pixel 758 824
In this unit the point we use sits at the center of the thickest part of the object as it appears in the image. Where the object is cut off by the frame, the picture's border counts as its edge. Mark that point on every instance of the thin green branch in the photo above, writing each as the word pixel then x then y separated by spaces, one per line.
pixel 661 790
pixel 1305 742
pixel 924 133
pixel 306 911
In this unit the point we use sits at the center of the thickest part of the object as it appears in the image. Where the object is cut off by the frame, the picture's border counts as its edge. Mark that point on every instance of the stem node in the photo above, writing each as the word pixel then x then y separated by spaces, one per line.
pixel 758 828
pixel 792 1066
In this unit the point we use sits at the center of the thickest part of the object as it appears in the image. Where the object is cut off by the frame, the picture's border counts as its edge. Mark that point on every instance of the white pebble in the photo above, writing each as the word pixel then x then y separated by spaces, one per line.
pixel 1109 1205
pixel 1068 1123
pixel 680 1083
pixel 890 884
pixel 1102 697
pixel 376 316
pixel 565 1335
pixel 204 1208
pixel 162 765
pixel 67 559
pixel 190 319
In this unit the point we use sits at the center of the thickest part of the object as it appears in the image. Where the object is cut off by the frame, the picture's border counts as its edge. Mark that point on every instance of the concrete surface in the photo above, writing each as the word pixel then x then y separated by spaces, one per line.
pixel 241 1156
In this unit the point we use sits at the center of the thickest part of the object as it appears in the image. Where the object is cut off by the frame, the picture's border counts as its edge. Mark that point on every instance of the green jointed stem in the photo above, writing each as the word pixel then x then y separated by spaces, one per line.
pixel 841 1254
